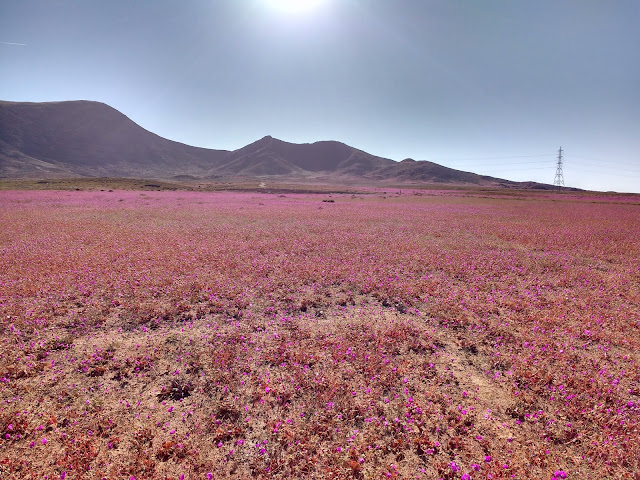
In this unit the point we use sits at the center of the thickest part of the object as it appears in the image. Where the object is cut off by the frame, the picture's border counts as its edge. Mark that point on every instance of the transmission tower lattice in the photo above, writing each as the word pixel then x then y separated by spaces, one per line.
pixel 559 180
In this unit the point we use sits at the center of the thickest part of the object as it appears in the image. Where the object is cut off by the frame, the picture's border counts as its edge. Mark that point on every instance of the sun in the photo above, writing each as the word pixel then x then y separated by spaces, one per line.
pixel 295 6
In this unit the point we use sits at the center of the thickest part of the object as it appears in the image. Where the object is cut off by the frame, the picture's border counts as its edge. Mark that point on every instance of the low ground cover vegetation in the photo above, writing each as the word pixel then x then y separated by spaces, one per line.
pixel 188 335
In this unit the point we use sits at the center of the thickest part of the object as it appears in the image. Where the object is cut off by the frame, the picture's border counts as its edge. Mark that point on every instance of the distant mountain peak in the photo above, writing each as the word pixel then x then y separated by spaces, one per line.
pixel 261 143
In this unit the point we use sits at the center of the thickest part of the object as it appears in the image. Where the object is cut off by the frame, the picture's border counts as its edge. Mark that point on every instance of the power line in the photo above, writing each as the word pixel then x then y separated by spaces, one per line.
pixel 452 162
pixel 496 158
pixel 526 169
pixel 632 173
pixel 586 164
pixel 505 164
pixel 601 161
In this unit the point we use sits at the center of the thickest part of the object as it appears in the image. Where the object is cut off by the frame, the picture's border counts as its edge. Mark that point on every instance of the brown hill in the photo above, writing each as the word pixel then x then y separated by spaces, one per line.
pixel 83 138
pixel 410 170
pixel 270 156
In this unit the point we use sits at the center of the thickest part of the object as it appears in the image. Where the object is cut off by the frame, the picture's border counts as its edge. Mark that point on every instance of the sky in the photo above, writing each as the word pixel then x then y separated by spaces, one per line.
pixel 489 86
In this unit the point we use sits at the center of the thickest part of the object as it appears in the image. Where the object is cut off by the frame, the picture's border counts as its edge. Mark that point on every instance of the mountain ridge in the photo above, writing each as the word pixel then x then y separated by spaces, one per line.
pixel 83 138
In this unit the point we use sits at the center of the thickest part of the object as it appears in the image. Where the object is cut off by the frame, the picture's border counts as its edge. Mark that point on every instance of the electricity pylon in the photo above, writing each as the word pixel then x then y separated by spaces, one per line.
pixel 559 180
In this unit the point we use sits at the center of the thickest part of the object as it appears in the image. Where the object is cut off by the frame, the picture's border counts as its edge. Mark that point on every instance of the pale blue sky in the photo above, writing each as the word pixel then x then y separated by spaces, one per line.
pixel 461 83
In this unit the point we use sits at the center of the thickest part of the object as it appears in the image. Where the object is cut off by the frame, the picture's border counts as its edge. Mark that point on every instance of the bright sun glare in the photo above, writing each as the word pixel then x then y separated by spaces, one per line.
pixel 295 6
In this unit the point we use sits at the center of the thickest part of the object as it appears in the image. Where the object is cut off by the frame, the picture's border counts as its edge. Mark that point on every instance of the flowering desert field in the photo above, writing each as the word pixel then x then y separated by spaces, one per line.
pixel 414 334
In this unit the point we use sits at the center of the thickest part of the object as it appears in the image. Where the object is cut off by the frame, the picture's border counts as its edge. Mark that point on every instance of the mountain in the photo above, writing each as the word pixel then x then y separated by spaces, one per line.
pixel 83 138
pixel 270 156
pixel 91 139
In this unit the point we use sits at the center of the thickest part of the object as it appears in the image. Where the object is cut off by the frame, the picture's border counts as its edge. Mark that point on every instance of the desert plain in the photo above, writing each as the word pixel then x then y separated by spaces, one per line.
pixel 414 334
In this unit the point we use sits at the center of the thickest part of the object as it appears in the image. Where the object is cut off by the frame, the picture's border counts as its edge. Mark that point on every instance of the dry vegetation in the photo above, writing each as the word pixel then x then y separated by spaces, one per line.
pixel 154 335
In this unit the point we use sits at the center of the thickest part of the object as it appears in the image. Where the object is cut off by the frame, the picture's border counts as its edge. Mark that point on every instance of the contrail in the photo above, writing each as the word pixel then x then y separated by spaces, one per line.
pixel 14 43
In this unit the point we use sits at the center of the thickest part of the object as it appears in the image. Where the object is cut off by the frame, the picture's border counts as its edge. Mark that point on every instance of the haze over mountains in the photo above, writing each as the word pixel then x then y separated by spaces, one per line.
pixel 91 139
